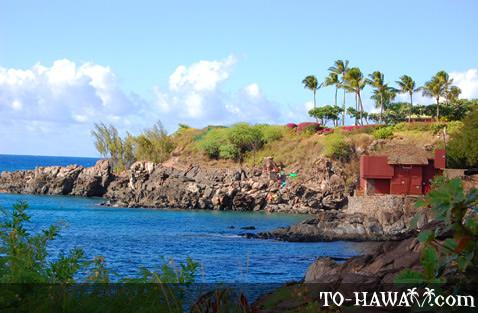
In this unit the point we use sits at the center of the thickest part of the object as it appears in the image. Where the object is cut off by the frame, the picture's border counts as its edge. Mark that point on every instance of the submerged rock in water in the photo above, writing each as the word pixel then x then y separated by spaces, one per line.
pixel 248 227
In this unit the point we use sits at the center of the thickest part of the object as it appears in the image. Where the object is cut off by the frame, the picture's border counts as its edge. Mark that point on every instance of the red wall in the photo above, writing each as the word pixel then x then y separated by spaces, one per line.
pixel 373 166
pixel 407 180
pixel 440 159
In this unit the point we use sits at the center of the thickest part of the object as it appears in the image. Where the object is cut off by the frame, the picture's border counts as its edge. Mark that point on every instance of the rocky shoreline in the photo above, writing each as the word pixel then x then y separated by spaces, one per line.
pixel 147 184
pixel 321 191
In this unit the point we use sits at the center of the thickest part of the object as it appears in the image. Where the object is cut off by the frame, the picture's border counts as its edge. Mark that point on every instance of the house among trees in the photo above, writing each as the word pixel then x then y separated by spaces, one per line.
pixel 406 170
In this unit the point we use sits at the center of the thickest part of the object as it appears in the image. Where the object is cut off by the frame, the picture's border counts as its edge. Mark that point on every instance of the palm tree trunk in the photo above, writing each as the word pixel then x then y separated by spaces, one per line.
pixel 336 89
pixel 438 108
pixel 316 119
pixel 361 109
pixel 314 99
pixel 343 112
pixel 381 113
pixel 356 109
pixel 381 108
pixel 411 106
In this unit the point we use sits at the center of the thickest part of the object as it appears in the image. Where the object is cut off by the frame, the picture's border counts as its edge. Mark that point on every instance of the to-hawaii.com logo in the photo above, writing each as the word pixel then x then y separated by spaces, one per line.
pixel 409 298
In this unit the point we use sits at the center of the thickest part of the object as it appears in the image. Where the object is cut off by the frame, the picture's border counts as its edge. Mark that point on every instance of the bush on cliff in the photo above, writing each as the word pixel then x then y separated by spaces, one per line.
pixel 235 141
pixel 245 137
pixel 462 150
pixel 229 151
pixel 211 142
pixel 271 133
pixel 109 143
pixel 383 132
pixel 336 146
pixel 153 144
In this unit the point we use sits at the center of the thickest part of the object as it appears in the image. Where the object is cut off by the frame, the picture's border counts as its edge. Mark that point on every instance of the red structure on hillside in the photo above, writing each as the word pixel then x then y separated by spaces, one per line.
pixel 405 172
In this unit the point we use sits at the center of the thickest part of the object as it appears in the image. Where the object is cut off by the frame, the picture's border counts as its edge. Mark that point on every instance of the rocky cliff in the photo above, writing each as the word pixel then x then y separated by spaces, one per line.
pixel 145 184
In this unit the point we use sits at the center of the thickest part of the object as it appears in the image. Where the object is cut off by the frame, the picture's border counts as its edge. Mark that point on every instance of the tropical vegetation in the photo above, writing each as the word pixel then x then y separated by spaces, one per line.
pixel 446 105
pixel 450 249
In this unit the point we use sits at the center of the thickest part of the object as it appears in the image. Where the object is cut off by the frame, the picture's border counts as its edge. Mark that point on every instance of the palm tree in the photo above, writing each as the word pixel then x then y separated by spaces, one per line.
pixel 406 84
pixel 452 94
pixel 383 98
pixel 355 82
pixel 447 82
pixel 333 79
pixel 310 82
pixel 377 81
pixel 437 87
pixel 340 68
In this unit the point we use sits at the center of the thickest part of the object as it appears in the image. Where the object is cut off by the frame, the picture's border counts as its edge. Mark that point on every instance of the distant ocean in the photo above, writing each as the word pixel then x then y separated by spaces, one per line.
pixel 11 162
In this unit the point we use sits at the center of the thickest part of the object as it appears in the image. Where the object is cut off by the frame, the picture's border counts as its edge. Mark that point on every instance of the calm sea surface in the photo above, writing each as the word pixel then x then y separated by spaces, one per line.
pixel 132 238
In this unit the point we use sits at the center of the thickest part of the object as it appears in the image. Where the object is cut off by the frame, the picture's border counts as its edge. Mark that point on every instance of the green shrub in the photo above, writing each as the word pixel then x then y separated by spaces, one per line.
pixel 153 144
pixel 418 126
pixel 454 128
pixel 336 146
pixel 437 127
pixel 109 143
pixel 211 142
pixel 383 132
pixel 245 137
pixel 233 142
pixel 229 151
pixel 450 204
pixel 401 126
pixel 308 130
pixel 462 150
pixel 271 133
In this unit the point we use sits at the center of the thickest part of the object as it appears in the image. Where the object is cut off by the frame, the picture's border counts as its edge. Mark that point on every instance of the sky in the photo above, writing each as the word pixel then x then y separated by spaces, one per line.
pixel 65 65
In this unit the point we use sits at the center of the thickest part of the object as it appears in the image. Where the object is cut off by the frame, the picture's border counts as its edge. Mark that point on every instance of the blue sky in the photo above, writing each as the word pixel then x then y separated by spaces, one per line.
pixel 65 65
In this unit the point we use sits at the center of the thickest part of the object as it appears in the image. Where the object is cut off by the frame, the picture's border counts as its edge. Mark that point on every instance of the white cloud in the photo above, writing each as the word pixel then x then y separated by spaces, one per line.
pixel 201 76
pixel 196 95
pixel 45 104
pixel 253 90
pixel 468 83
pixel 63 93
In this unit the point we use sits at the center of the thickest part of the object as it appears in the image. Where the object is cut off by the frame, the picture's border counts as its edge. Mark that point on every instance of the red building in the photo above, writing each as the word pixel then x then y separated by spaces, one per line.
pixel 408 171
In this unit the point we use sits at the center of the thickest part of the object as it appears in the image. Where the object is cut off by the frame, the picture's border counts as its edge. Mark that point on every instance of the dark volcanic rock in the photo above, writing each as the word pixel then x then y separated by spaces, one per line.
pixel 335 225
pixel 58 180
pixel 147 184
pixel 248 227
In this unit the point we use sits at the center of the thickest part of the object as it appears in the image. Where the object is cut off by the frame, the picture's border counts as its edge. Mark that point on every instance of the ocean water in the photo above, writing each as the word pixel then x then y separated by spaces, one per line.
pixel 133 238
pixel 10 162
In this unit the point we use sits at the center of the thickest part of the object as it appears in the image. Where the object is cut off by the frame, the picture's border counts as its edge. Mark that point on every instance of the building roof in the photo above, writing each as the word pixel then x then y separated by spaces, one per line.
pixel 407 155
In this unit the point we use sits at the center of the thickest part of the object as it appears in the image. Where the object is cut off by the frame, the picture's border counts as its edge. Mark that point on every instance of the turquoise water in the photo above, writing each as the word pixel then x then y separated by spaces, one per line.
pixel 130 238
